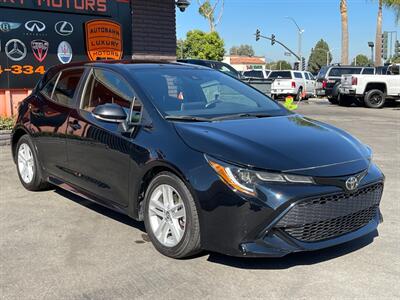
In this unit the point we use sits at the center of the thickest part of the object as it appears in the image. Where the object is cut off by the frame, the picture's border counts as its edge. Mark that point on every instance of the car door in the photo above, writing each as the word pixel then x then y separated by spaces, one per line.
pixel 99 151
pixel 49 119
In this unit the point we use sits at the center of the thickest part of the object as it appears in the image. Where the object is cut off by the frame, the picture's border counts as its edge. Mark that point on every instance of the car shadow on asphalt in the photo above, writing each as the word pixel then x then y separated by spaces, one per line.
pixel 295 259
pixel 105 211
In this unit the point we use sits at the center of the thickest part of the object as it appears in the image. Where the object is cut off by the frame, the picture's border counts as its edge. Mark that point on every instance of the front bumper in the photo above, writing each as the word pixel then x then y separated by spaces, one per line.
pixel 270 226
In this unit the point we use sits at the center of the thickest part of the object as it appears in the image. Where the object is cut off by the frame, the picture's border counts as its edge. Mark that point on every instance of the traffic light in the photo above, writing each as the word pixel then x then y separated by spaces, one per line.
pixel 258 35
pixel 273 39
pixel 296 66
pixel 303 64
pixel 397 48
pixel 385 40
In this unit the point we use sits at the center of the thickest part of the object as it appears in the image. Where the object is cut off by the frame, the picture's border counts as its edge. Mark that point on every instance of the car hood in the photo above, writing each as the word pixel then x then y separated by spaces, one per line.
pixel 292 144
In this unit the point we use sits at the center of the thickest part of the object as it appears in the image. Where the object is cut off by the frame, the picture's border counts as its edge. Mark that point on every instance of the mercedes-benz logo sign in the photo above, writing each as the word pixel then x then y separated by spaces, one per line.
pixel 352 183
pixel 35 26
pixel 15 50
pixel 64 28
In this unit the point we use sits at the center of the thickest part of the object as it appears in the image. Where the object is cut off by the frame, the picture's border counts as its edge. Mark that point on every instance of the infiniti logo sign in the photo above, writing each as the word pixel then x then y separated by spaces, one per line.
pixel 352 183
pixel 35 26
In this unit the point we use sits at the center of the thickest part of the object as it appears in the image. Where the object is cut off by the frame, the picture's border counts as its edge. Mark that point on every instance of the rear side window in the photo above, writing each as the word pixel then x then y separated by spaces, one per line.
pixel 280 74
pixel 338 72
pixel 298 75
pixel 322 72
pixel 62 87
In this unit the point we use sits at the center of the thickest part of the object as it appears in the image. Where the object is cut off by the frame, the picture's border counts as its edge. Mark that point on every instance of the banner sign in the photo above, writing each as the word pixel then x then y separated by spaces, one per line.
pixel 34 36
pixel 103 40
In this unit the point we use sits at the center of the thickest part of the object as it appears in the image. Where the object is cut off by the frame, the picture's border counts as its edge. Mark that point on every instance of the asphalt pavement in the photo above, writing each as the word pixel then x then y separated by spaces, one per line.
pixel 54 245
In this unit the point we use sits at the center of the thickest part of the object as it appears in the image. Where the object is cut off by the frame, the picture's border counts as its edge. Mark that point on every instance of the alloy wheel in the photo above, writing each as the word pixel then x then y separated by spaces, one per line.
pixel 376 99
pixel 26 163
pixel 167 215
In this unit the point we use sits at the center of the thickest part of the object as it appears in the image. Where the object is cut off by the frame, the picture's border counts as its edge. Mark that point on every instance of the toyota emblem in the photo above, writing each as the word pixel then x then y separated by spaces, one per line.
pixel 352 183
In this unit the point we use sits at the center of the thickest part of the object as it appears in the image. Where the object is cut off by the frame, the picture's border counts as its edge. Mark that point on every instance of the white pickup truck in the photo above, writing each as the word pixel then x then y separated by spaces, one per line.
pixel 371 90
pixel 292 83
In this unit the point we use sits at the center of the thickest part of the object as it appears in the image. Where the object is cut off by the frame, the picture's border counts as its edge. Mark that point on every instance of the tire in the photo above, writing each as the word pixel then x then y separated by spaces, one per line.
pixel 359 101
pixel 163 237
pixel 332 100
pixel 375 99
pixel 299 93
pixel 25 156
pixel 344 100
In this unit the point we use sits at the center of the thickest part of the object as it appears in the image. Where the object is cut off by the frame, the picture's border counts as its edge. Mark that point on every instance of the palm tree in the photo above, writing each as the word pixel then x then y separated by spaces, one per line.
pixel 395 5
pixel 345 32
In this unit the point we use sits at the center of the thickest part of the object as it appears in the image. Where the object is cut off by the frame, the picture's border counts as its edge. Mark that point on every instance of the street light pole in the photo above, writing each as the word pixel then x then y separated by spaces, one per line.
pixel 300 37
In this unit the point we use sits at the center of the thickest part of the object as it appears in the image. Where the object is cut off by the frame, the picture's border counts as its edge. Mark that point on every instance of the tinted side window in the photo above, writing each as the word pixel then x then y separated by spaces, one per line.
pixel 298 75
pixel 103 87
pixel 49 87
pixel 66 86
pixel 306 75
pixel 368 71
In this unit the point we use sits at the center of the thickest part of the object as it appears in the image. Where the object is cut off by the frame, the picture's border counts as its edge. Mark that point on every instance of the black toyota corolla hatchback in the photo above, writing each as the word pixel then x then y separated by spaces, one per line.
pixel 206 161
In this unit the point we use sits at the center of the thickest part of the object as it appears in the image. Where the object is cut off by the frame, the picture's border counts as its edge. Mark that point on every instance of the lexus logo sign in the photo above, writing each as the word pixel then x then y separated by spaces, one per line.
pixel 64 28
pixel 35 26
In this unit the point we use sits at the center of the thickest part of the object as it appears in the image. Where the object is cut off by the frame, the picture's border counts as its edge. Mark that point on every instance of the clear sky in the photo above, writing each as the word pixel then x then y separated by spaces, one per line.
pixel 319 18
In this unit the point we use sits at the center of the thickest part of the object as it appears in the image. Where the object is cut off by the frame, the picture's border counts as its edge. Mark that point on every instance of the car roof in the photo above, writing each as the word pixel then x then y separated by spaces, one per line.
pixel 127 64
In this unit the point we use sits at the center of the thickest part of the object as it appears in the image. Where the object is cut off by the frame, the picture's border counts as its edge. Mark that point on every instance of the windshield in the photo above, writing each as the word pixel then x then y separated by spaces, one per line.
pixel 202 93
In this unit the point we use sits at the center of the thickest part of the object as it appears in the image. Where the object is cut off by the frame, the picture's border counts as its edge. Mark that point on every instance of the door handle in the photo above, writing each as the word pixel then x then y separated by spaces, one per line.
pixel 74 125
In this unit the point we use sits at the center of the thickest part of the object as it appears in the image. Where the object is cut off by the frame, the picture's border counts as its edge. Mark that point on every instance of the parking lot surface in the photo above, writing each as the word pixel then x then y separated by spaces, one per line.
pixel 54 245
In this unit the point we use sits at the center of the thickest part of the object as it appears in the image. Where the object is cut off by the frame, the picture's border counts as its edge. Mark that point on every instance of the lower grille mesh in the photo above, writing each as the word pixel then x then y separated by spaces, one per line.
pixel 331 216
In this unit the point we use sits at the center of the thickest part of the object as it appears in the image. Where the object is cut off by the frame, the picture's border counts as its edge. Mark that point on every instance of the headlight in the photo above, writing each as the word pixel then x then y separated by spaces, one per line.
pixel 244 180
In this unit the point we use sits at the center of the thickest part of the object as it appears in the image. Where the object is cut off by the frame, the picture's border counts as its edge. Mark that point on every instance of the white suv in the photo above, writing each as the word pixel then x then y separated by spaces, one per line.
pixel 292 83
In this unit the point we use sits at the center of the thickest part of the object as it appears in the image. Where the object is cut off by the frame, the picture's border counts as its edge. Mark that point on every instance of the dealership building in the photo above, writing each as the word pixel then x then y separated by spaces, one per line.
pixel 37 34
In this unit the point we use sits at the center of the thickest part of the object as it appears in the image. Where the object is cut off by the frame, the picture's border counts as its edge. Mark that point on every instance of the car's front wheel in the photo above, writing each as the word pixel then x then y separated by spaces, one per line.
pixel 171 218
pixel 29 171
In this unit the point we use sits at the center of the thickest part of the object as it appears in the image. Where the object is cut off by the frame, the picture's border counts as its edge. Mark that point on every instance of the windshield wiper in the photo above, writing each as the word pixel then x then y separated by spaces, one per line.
pixel 242 115
pixel 187 118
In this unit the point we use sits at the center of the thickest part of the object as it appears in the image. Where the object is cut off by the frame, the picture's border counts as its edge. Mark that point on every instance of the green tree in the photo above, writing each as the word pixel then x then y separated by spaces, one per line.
pixel 320 56
pixel 361 60
pixel 202 45
pixel 243 50
pixel 209 11
pixel 279 65
pixel 180 47
pixel 396 59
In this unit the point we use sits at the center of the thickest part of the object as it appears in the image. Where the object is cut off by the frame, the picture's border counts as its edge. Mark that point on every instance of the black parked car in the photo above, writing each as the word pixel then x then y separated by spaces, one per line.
pixel 329 77
pixel 205 160
pixel 213 64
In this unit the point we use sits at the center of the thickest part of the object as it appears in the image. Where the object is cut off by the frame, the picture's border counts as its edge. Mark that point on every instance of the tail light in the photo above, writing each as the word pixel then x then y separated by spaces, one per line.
pixel 354 80
pixel 324 84
pixel 293 84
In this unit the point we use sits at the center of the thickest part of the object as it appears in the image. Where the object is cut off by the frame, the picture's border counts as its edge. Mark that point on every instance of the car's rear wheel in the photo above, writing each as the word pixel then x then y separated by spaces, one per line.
pixel 374 99
pixel 28 166
pixel 344 100
pixel 299 94
pixel 171 218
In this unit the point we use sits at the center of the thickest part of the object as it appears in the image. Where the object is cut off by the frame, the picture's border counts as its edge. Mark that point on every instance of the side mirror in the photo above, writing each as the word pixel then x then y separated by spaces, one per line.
pixel 110 112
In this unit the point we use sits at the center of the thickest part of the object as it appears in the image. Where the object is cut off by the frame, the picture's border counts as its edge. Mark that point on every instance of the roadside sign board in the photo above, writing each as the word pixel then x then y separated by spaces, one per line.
pixel 38 34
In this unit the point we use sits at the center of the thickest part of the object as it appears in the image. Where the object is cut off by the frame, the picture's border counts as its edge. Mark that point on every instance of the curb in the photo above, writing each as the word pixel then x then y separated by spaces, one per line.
pixel 5 137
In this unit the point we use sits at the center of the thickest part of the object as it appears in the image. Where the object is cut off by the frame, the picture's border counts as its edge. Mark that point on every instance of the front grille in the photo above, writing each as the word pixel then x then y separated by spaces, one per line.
pixel 330 216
